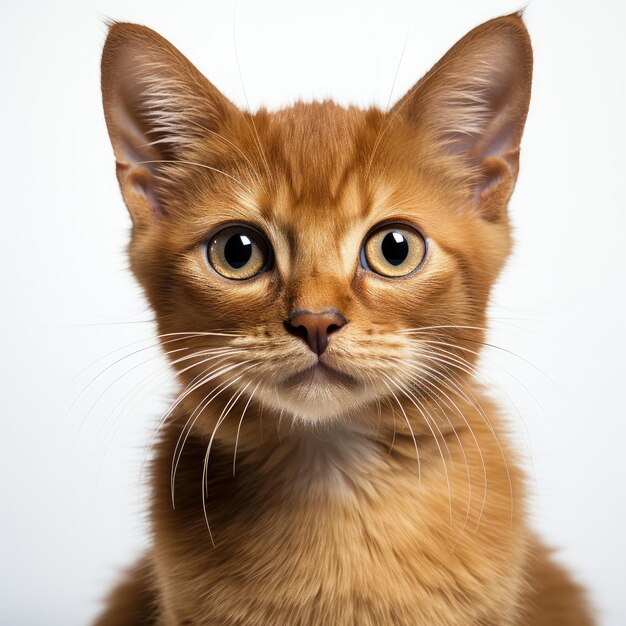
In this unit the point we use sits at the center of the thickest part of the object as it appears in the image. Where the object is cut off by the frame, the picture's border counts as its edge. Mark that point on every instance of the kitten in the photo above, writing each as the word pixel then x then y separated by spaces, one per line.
pixel 320 277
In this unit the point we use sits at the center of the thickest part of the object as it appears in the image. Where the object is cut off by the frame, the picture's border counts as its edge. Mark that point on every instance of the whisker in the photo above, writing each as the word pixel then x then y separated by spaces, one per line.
pixel 150 377
pixel 434 397
pixel 424 370
pixel 427 419
pixel 245 95
pixel 458 362
pixel 180 336
pixel 243 413
pixel 191 421
pixel 407 98
pixel 106 390
pixel 499 365
pixel 417 454
pixel 202 165
pixel 487 344
pixel 224 414
pixel 237 149
pixel 118 411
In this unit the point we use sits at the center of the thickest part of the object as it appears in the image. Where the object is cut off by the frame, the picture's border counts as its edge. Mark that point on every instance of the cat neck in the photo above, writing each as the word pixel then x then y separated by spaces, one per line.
pixel 269 453
pixel 331 492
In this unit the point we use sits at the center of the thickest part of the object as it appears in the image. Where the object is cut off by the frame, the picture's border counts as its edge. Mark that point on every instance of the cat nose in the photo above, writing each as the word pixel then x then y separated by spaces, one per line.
pixel 315 327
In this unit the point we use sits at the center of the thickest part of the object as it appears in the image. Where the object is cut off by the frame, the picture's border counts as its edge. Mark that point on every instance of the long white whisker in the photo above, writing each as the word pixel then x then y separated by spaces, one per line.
pixel 182 440
pixel 202 165
pixel 224 414
pixel 417 453
pixel 243 413
pixel 427 420
pixel 425 370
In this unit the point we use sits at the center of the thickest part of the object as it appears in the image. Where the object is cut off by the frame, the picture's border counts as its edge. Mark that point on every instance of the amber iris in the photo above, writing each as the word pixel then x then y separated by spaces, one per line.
pixel 238 253
pixel 394 250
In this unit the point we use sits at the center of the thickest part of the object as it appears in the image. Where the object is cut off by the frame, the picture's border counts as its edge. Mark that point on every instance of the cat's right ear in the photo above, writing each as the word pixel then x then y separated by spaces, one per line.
pixel 156 105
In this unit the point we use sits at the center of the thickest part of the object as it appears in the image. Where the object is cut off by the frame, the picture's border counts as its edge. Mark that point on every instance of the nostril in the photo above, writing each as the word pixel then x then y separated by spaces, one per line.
pixel 301 331
pixel 315 328
pixel 332 328
pixel 298 331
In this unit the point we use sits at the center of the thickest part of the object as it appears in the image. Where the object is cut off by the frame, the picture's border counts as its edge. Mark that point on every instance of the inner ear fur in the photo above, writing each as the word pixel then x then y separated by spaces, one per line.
pixel 157 105
pixel 472 106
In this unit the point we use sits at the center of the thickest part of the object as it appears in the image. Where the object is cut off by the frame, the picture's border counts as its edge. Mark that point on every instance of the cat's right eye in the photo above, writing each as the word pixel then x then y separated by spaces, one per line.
pixel 238 253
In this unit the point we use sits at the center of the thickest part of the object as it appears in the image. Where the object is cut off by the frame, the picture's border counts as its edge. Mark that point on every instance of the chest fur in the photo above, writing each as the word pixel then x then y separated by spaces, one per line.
pixel 332 535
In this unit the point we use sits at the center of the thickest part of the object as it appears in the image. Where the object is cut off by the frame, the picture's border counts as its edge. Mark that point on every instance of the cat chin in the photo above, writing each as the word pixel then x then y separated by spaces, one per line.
pixel 314 406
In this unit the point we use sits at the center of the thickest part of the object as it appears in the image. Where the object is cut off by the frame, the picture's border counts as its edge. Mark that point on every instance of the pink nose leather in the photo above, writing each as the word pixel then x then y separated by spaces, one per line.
pixel 315 327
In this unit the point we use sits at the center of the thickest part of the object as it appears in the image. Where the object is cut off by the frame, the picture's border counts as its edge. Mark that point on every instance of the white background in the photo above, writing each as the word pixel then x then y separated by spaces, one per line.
pixel 71 449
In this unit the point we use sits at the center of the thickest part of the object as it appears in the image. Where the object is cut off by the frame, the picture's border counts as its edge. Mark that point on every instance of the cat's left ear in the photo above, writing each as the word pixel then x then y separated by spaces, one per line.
pixel 156 105
pixel 473 104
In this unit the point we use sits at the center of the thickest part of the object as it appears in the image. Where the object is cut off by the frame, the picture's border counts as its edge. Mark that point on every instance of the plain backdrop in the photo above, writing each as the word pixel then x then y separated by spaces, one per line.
pixel 82 386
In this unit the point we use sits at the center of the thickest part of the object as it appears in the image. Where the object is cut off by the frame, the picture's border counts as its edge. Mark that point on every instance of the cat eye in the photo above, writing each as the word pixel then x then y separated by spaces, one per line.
pixel 238 253
pixel 393 250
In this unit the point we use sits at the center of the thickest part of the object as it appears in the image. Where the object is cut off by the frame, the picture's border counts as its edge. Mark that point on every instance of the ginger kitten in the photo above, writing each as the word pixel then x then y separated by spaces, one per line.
pixel 320 277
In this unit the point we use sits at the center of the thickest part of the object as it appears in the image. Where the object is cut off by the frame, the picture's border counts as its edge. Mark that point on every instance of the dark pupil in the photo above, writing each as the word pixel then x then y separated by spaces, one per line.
pixel 238 250
pixel 395 248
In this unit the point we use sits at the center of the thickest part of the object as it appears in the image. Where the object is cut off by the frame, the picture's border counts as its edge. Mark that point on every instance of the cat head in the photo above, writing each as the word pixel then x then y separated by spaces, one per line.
pixel 320 258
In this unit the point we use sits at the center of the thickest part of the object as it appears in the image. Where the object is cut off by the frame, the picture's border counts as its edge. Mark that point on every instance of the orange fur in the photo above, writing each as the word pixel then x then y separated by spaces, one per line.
pixel 384 494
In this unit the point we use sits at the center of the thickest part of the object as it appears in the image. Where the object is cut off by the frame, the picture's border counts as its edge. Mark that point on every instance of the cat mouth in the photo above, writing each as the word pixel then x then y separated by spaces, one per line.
pixel 319 374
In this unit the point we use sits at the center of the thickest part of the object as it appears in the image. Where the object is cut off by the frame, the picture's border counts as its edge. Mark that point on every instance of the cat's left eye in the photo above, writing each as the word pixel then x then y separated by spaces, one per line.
pixel 238 253
pixel 393 250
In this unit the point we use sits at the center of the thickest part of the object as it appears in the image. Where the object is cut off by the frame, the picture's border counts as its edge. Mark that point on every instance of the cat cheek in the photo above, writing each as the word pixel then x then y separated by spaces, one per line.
pixel 138 190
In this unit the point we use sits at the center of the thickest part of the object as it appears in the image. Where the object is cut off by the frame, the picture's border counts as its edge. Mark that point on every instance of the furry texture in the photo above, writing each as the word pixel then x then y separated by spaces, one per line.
pixel 373 484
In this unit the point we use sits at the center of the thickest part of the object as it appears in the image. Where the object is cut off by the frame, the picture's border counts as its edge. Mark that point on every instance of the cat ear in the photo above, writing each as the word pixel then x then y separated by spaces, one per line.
pixel 156 105
pixel 473 104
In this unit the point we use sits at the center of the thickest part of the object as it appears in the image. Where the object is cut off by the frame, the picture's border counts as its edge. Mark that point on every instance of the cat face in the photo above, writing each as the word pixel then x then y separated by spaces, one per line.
pixel 324 258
